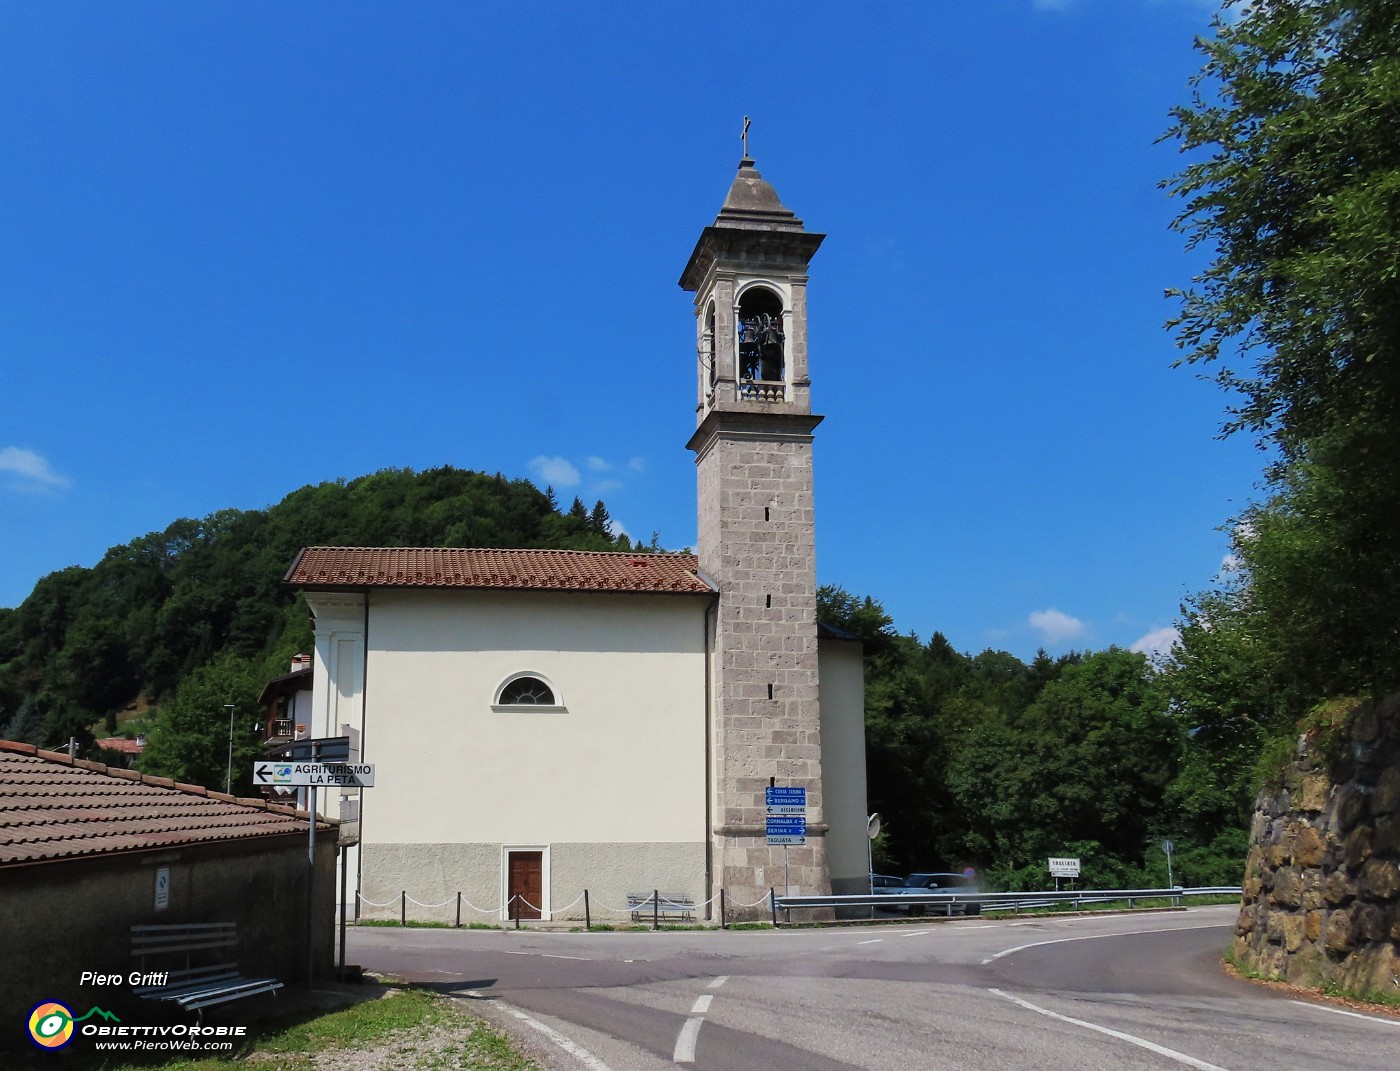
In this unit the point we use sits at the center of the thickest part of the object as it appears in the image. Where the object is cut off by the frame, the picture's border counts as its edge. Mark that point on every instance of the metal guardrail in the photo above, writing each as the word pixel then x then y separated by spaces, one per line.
pixel 955 903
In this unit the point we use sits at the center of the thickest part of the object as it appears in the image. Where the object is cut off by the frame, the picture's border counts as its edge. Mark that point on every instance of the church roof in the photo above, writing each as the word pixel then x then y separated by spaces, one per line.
pixel 465 567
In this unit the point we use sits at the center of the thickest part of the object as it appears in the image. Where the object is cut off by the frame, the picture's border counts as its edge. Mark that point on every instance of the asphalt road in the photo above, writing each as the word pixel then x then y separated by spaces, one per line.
pixel 1097 993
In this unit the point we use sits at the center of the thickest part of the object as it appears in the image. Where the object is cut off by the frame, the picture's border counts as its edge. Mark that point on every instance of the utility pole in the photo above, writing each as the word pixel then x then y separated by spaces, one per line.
pixel 228 779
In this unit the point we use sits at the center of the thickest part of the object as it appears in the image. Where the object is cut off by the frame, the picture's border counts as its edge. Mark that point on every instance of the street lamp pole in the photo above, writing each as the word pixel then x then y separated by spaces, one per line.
pixel 228 779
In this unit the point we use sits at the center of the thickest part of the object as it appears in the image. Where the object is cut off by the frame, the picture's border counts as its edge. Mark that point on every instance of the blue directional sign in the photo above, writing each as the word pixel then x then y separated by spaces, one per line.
pixel 786 829
pixel 784 823
pixel 785 797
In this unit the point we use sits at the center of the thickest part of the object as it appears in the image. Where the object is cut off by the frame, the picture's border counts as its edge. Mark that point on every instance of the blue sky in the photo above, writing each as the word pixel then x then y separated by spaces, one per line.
pixel 245 247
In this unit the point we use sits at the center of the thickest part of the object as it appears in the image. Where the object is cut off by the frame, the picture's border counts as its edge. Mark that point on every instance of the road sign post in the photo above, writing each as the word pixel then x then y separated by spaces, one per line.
pixel 306 766
pixel 786 821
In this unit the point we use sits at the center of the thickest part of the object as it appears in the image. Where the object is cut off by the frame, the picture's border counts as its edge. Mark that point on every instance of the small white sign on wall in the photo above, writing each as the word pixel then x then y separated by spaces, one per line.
pixel 162 888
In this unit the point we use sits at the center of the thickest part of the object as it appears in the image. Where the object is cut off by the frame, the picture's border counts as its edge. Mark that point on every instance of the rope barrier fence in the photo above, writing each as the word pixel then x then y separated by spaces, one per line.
pixel 653 906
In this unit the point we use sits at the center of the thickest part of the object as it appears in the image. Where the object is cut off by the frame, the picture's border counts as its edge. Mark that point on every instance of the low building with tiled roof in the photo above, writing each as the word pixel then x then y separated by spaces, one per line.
pixel 88 850
pixel 125 744
pixel 548 722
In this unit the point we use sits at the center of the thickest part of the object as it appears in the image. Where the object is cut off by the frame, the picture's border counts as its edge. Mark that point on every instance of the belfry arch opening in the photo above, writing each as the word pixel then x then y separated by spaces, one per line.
pixel 762 346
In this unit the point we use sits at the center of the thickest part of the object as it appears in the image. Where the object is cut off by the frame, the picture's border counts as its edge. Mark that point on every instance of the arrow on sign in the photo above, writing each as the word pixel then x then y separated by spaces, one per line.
pixel 272 773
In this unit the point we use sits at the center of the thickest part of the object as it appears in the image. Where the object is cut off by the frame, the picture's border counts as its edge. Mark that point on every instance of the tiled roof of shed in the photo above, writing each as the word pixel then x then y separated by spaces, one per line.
pixel 53 807
pixel 122 744
pixel 462 567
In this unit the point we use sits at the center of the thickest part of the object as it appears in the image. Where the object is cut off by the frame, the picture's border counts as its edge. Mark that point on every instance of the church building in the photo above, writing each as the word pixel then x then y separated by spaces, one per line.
pixel 544 722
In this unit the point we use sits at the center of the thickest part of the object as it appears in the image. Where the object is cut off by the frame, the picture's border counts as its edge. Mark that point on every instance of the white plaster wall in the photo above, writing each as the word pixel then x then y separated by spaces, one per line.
pixel 843 763
pixel 624 763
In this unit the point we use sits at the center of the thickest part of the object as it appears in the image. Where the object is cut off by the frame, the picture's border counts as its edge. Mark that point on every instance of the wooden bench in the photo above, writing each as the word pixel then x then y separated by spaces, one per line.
pixel 194 987
pixel 674 906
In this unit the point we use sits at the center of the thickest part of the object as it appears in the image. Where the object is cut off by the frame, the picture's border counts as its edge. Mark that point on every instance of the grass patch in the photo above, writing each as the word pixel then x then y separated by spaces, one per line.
pixel 361 1024
pixel 1381 997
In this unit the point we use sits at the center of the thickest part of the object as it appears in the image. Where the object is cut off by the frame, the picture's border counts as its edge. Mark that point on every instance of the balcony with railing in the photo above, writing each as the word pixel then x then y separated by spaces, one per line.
pixel 762 390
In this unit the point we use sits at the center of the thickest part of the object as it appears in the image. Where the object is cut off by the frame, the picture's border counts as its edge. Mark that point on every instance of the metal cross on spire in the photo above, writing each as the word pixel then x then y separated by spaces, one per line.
pixel 744 137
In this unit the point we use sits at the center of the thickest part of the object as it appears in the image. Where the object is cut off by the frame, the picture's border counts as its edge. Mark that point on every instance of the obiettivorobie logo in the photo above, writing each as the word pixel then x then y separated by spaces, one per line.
pixel 51 1024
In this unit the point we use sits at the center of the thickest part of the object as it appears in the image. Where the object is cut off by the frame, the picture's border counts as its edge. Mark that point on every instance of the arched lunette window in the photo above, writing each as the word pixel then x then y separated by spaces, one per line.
pixel 528 693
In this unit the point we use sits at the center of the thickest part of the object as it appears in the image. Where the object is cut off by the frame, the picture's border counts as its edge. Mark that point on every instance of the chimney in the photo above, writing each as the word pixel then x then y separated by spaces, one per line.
pixel 301 661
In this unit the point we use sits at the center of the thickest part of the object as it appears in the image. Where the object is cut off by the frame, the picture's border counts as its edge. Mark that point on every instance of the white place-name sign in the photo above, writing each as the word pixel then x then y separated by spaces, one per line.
pixel 1064 867
pixel 314 774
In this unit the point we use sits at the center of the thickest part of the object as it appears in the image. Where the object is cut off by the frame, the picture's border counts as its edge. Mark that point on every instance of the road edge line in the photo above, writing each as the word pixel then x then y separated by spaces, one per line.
pixel 1343 1011
pixel 1100 937
pixel 573 1048
pixel 1150 1046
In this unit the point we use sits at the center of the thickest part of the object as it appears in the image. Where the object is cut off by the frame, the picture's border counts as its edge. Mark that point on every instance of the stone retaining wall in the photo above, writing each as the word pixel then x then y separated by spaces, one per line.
pixel 1322 880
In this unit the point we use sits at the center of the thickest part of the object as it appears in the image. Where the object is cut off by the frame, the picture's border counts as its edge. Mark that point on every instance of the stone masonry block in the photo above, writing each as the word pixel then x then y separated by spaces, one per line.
pixel 1313 794
pixel 1386 797
pixel 1379 880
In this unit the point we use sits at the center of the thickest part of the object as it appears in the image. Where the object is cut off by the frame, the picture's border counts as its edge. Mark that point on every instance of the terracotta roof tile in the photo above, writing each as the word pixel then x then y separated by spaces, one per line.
pixel 462 567
pixel 122 744
pixel 53 807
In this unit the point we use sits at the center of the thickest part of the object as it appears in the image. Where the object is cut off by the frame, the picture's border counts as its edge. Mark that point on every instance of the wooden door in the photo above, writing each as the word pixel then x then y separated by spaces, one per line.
pixel 526 884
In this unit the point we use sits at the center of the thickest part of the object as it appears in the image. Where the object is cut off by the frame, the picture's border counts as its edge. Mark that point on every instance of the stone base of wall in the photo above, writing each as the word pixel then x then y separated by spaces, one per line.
pixel 432 876
pixel 1322 881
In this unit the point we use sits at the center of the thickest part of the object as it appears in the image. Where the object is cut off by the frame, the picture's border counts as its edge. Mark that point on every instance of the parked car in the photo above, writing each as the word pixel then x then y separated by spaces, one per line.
pixel 931 884
pixel 881 883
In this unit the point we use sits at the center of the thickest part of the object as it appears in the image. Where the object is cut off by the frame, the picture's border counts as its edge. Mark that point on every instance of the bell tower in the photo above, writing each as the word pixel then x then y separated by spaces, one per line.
pixel 753 455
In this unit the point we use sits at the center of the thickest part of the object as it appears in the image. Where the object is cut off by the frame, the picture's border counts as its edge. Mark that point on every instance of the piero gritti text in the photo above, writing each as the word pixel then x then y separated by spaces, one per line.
pixel 92 978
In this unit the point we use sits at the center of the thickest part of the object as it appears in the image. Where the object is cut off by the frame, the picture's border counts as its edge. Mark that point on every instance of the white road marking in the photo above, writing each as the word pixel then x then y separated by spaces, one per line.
pixel 872 941
pixel 574 1049
pixel 916 933
pixel 549 955
pixel 685 1043
pixel 690 1032
pixel 1341 1011
pixel 1160 1050
pixel 1097 936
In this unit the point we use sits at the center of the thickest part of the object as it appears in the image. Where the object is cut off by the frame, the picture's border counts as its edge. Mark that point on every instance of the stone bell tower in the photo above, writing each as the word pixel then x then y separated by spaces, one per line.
pixel 753 453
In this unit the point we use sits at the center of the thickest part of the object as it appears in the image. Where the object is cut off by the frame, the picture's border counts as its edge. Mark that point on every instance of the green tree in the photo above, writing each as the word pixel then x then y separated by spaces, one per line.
pixel 1295 191
pixel 188 738
pixel 1090 759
